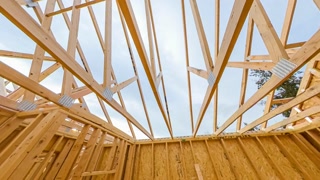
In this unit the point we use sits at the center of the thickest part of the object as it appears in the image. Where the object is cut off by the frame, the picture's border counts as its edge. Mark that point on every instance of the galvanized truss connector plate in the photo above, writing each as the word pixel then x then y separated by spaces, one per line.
pixel 26 106
pixel 211 79
pixel 30 3
pixel 107 93
pixel 283 68
pixel 66 101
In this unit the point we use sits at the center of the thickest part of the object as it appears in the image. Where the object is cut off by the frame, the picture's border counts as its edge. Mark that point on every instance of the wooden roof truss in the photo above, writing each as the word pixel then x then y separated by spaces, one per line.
pixel 30 97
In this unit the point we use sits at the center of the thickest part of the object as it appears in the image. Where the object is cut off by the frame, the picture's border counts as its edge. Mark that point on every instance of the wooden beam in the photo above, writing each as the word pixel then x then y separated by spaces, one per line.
pixel 124 84
pixel 251 65
pixel 130 162
pixel 317 2
pixel 198 171
pixel 295 45
pixel 8 103
pixel 305 126
pixel 238 16
pixel 128 14
pixel 16 94
pixel 8 126
pixel 23 21
pixel 39 53
pixel 23 2
pixel 80 92
pixel 292 119
pixel 6 152
pixel 48 157
pixel 216 51
pixel 244 80
pixel 68 164
pixel 135 70
pixel 111 157
pixel 108 70
pixel 21 171
pixel 150 39
pixel 309 93
pixel 202 36
pixel 315 72
pixel 83 163
pixel 288 21
pixel 79 49
pixel 199 72
pixel 187 63
pixel 71 48
pixel 121 161
pixel 36 88
pixel 60 159
pixel 159 65
pixel 268 34
pixel 306 80
pixel 107 50
pixel 12 54
pixel 284 37
pixel 82 5
pixel 267 107
pixel 281 101
pixel 9 165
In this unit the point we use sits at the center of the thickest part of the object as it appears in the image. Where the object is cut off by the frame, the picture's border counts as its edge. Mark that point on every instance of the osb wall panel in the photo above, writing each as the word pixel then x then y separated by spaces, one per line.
pixel 220 160
pixel 176 166
pixel 39 151
pixel 270 157
pixel 258 159
pixel 160 161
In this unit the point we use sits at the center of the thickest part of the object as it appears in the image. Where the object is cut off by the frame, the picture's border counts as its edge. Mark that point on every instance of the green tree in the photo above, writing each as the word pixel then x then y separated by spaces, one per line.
pixel 286 90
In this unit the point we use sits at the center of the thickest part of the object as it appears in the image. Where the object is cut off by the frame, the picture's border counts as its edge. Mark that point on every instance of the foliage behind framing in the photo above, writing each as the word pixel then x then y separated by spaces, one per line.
pixel 288 89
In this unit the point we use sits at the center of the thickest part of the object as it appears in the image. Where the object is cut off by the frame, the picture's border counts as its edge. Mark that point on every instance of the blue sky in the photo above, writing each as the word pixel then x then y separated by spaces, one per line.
pixel 168 23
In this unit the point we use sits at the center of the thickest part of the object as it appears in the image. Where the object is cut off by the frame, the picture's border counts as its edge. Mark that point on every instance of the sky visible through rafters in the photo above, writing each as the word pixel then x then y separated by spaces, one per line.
pixel 169 28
